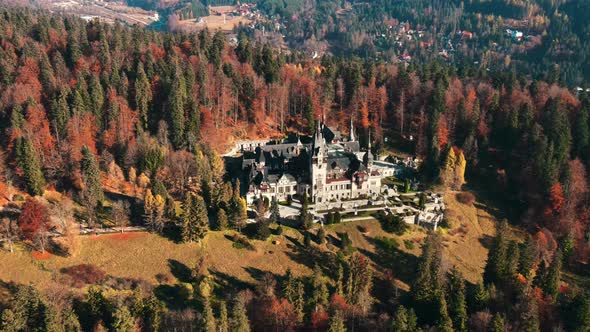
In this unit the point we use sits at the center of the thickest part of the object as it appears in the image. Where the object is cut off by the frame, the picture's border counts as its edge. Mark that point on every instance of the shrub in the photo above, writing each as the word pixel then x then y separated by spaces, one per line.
pixel 466 198
pixel 241 242
pixel 409 244
pixel 392 223
pixel 387 244
pixel 84 274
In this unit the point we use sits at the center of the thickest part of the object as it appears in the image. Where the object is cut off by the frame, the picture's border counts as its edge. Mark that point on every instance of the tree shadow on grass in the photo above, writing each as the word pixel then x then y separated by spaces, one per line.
pixel 180 271
pixel 486 241
pixel 226 283
pixel 401 263
pixel 172 232
pixel 312 256
pixel 173 296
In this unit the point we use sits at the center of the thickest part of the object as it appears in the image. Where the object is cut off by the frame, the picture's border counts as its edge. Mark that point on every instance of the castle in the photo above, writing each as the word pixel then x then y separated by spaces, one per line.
pixel 329 168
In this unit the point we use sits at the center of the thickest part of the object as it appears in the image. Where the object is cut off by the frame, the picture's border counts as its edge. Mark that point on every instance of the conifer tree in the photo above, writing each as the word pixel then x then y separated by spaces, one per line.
pixel 443 323
pixel 91 175
pixel 337 323
pixel 176 106
pixel 528 257
pixel 319 294
pixel 143 95
pixel 208 323
pixel 195 222
pixel 29 162
pixel 498 324
pixel 275 215
pixel 456 300
pixel 123 320
pixel 399 322
pixel 222 222
pixel 481 297
pixel 495 268
pixel 549 281
pixel 223 325
pixel 240 322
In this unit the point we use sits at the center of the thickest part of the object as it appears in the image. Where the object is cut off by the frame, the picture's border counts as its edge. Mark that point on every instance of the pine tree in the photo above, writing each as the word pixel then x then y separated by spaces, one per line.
pixel 399 322
pixel 426 284
pixel 340 281
pixel 123 320
pixel 222 222
pixel 337 323
pixel 275 215
pixel 456 300
pixel 29 162
pixel 528 257
pixel 498 324
pixel 305 218
pixel 143 95
pixel 223 325
pixel 550 281
pixel 240 318
pixel 91 175
pixel 208 323
pixel 443 323
pixel 195 222
pixel 495 269
pixel 319 294
pixel 481 297
pixel 97 100
pixel 528 312
pixel 176 106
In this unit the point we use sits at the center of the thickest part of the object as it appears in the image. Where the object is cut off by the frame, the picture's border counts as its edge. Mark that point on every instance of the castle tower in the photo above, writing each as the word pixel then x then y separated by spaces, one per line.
pixel 352 138
pixel 318 166
pixel 368 158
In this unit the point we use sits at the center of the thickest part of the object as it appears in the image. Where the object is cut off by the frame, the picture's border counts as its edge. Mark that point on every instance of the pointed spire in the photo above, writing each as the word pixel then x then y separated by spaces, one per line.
pixel 352 138
pixel 369 146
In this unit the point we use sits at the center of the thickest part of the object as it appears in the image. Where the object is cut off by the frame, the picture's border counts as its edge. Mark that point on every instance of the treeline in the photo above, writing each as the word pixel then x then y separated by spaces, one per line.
pixel 89 102
pixel 521 291
pixel 360 28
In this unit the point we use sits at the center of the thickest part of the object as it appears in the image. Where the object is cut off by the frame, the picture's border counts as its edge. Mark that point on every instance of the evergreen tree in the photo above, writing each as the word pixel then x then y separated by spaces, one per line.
pixel 319 294
pixel 498 324
pixel 528 312
pixel 91 175
pixel 195 222
pixel 275 215
pixel 495 269
pixel 399 322
pixel 97 100
pixel 481 297
pixel 240 318
pixel 122 320
pixel 223 325
pixel 222 222
pixel 444 323
pixel 528 257
pixel 456 300
pixel 143 95
pixel 426 284
pixel 337 323
pixel 582 134
pixel 550 280
pixel 176 105
pixel 305 218
pixel 208 323
pixel 29 162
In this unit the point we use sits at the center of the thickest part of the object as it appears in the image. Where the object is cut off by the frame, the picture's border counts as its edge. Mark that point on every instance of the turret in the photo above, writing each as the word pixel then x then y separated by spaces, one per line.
pixel 368 158
pixel 352 138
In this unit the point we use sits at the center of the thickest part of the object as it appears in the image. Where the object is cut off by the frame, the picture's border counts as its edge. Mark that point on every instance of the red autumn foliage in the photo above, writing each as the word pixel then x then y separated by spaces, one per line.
pixel 81 132
pixel 546 244
pixel 37 129
pixel 27 83
pixel 319 319
pixel 84 274
pixel 443 132
pixel 338 303
pixel 122 127
pixel 33 219
pixel 556 199
pixel 283 313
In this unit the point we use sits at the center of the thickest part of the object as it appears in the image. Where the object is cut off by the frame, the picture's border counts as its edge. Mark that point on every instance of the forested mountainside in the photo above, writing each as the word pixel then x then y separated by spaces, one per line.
pixel 553 43
pixel 87 108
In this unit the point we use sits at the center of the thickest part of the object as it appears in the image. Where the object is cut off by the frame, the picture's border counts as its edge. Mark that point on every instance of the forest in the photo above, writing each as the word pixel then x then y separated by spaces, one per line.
pixel 96 112
pixel 552 30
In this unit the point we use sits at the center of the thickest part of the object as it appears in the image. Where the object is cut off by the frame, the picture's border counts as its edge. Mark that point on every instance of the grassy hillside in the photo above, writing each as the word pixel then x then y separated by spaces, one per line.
pixel 146 256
